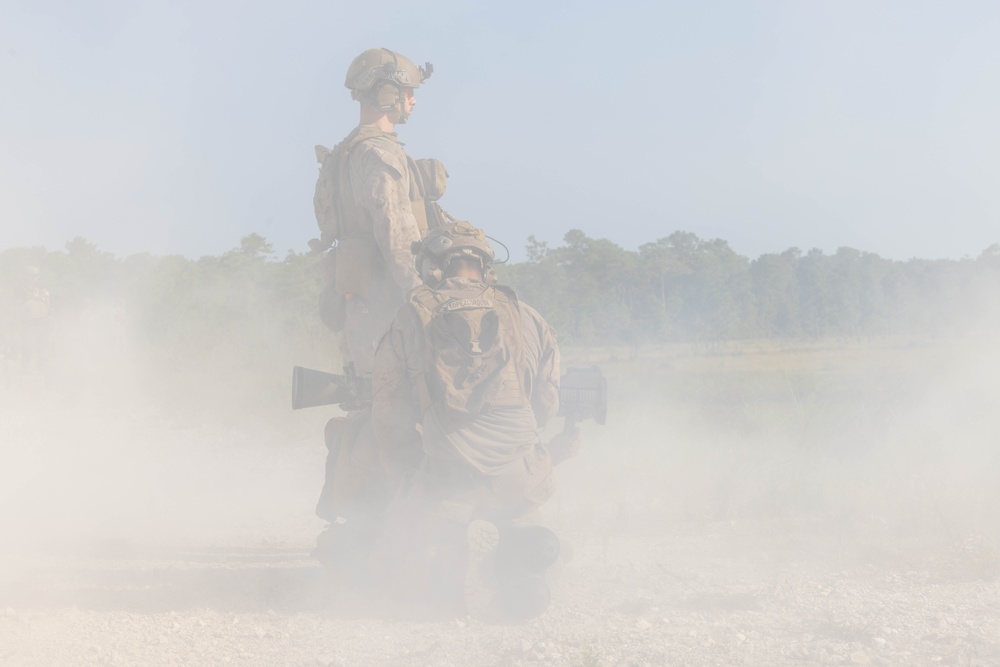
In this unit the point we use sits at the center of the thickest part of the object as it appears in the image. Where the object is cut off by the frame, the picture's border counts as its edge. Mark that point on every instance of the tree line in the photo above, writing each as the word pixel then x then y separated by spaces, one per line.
pixel 682 288
pixel 679 288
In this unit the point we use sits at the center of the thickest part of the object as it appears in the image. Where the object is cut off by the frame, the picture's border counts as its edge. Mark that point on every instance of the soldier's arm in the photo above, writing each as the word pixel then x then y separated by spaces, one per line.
pixel 545 384
pixel 385 196
pixel 545 398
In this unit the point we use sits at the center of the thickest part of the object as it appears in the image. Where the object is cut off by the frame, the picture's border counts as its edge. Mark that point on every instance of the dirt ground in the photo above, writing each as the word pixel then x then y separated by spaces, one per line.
pixel 135 536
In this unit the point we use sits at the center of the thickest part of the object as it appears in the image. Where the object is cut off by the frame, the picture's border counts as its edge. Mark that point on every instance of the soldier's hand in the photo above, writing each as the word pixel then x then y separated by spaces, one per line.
pixel 318 246
pixel 564 445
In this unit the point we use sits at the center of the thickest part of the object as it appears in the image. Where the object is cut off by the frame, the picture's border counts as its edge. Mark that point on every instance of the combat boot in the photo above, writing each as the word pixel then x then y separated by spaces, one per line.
pixel 481 585
pixel 505 571
pixel 525 549
pixel 343 549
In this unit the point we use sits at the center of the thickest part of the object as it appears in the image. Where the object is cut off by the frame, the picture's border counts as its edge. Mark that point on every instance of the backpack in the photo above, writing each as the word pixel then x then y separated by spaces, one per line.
pixel 474 348
pixel 332 184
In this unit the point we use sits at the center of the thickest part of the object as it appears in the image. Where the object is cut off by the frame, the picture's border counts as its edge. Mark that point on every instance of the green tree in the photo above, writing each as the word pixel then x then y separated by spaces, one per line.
pixel 774 278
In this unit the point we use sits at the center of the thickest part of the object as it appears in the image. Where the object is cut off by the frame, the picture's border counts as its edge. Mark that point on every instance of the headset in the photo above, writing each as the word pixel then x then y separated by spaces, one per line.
pixel 389 93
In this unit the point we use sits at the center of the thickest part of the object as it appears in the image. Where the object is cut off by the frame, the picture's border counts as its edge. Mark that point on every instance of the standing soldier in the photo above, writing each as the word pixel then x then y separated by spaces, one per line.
pixel 372 203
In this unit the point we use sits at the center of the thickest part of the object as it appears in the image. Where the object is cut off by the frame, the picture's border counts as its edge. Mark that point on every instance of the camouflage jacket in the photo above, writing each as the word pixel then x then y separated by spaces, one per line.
pixel 490 443
pixel 381 185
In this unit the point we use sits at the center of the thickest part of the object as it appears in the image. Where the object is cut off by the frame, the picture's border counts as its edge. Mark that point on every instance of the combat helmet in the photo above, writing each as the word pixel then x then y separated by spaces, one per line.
pixel 442 245
pixel 380 75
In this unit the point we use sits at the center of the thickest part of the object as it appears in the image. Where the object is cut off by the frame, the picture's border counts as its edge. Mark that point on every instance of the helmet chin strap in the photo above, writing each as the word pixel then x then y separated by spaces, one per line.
pixel 404 115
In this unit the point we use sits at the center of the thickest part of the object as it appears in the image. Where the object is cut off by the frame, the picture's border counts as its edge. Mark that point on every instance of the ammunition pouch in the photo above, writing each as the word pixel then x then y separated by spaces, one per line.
pixel 428 181
pixel 433 177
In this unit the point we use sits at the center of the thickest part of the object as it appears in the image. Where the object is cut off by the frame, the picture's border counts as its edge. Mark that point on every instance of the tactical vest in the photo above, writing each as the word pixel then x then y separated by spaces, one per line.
pixel 359 265
pixel 474 351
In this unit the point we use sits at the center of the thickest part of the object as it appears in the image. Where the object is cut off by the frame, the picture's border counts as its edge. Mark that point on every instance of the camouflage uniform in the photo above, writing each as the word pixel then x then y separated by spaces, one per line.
pixel 374 270
pixel 380 185
pixel 374 202
pixel 451 470
pixel 490 465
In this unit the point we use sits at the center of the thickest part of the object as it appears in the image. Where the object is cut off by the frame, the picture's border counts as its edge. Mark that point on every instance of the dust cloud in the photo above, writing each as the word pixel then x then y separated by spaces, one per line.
pixel 114 445
pixel 856 451
pixel 820 499
pixel 894 444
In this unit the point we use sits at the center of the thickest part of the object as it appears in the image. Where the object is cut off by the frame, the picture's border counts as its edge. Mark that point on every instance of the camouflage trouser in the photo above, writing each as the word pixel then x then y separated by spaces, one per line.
pixel 365 320
pixel 355 486
pixel 459 493
pixel 423 545
pixel 358 320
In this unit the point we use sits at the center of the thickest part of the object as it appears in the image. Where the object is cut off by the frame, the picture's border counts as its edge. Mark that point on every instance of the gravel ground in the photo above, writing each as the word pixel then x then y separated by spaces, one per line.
pixel 133 539
pixel 658 599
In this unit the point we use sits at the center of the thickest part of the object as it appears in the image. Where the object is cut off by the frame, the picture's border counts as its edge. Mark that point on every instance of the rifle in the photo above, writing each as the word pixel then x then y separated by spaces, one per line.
pixel 311 388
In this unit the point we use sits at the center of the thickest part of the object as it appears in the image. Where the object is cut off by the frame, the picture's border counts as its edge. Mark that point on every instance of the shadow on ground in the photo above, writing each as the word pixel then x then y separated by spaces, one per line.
pixel 119 577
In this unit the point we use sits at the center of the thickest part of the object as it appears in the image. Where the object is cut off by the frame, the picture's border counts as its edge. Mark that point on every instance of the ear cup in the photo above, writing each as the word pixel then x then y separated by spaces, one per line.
pixel 430 272
pixel 387 96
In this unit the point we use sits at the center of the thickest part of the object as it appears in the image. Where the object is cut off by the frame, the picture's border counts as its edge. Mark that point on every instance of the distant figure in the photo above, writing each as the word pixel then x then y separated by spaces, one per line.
pixel 32 330
pixel 118 324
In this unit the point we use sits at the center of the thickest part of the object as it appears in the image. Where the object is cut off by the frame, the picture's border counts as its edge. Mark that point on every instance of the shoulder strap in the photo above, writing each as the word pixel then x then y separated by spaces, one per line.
pixel 425 303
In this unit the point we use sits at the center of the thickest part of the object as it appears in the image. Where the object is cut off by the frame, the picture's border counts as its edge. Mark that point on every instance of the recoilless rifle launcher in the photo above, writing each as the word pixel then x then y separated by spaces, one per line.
pixel 583 392
pixel 311 388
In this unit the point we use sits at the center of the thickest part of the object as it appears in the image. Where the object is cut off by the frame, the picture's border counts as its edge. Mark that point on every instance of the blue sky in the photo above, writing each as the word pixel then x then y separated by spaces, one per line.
pixel 178 127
